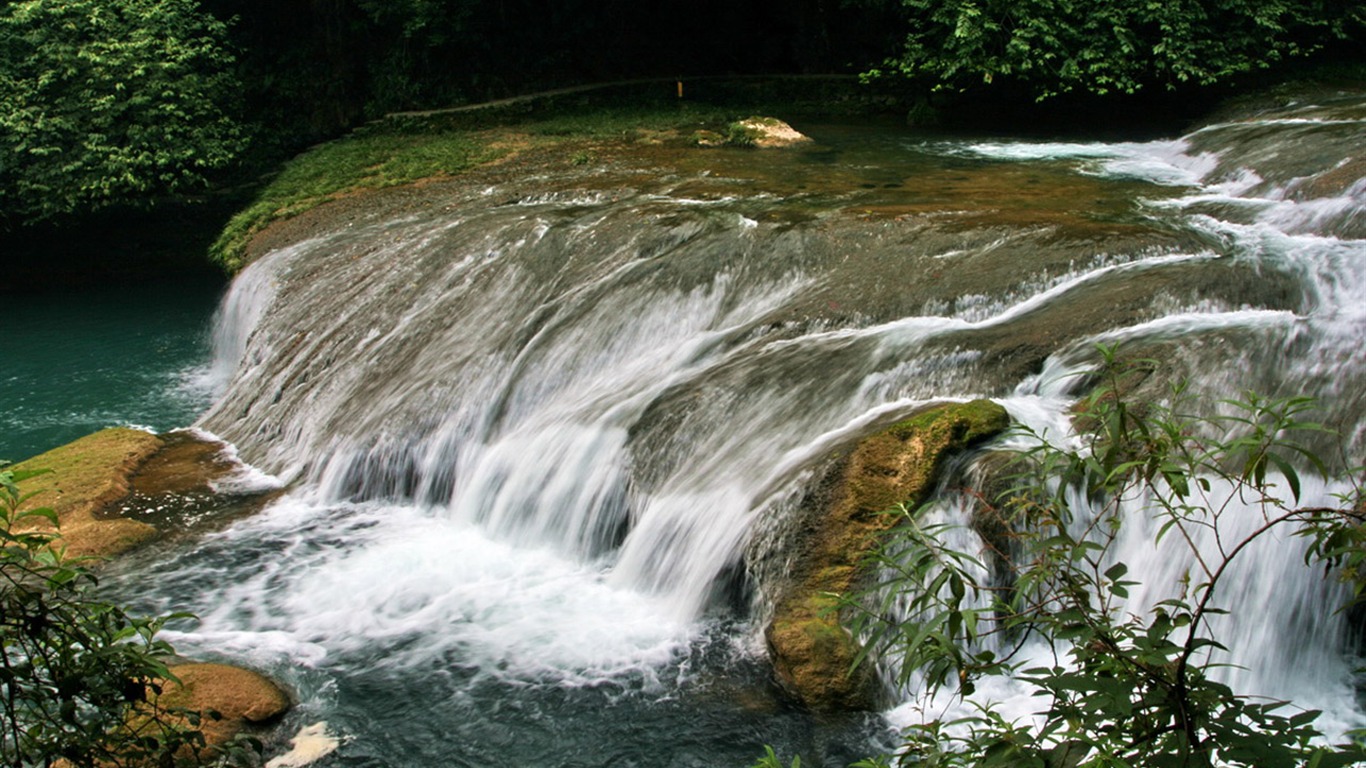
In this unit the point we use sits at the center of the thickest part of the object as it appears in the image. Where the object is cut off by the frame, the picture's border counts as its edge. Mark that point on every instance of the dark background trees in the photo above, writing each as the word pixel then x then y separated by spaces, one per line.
pixel 1050 47
pixel 104 102
pixel 327 63
pixel 136 105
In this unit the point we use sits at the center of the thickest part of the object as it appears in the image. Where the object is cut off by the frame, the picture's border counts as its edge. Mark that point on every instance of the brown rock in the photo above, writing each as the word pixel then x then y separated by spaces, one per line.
pixel 770 132
pixel 93 484
pixel 241 697
pixel 85 476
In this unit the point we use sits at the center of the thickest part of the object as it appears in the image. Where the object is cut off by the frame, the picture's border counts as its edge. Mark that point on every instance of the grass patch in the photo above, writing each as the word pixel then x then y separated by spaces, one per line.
pixel 405 149
pixel 369 159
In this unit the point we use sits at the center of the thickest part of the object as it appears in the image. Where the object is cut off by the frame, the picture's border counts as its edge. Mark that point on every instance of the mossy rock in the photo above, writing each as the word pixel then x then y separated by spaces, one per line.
pixel 764 133
pixel 813 654
pixel 85 476
pixel 93 484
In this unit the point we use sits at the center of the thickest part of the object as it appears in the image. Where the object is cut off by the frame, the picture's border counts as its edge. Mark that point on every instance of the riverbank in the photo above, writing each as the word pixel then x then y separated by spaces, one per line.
pixel 574 123
pixel 568 124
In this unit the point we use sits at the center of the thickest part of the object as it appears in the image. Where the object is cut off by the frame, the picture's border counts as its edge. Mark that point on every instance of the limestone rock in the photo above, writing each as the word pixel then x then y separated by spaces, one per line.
pixel 770 132
pixel 110 489
pixel 84 477
pixel 240 696
pixel 812 652
pixel 311 744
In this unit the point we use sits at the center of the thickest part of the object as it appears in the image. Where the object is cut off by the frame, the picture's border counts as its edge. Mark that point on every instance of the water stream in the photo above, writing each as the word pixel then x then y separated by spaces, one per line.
pixel 542 430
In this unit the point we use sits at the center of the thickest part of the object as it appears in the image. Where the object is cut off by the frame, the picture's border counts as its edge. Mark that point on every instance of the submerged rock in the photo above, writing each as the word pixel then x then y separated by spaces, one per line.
pixel 812 652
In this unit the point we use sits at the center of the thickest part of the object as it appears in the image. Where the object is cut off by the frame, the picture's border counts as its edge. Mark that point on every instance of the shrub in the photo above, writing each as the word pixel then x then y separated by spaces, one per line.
pixel 79 677
pixel 1109 46
pixel 110 102
pixel 1122 689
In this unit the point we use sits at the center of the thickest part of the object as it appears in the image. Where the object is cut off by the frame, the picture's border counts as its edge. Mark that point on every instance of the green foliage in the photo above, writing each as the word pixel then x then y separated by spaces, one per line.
pixel 1110 46
pixel 77 675
pixel 740 135
pixel 1123 689
pixel 110 102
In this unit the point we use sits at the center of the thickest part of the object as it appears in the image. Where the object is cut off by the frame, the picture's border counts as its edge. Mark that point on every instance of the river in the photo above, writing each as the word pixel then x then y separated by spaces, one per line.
pixel 542 427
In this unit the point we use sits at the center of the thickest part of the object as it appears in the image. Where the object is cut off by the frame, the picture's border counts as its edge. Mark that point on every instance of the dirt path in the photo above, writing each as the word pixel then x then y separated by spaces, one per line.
pixel 530 97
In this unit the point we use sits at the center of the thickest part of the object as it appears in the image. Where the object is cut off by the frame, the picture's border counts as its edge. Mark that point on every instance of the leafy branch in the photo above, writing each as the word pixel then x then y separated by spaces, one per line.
pixel 80 678
pixel 1126 686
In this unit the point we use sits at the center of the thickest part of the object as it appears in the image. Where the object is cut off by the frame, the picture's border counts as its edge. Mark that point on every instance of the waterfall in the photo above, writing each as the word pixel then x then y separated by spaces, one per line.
pixel 1285 630
pixel 546 430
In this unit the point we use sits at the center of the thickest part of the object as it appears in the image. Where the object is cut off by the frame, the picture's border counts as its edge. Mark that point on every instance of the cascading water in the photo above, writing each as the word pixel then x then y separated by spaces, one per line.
pixel 542 433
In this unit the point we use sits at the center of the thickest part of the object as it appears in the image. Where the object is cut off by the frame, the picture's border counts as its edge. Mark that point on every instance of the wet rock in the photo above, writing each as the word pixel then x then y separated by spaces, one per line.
pixel 84 477
pixel 241 698
pixel 812 652
pixel 311 744
pixel 120 488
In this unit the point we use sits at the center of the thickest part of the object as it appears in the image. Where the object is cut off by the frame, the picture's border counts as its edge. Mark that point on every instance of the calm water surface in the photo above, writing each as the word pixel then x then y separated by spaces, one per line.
pixel 78 361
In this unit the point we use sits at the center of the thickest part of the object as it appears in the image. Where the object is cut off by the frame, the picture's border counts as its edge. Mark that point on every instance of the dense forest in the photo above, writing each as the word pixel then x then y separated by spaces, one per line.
pixel 126 104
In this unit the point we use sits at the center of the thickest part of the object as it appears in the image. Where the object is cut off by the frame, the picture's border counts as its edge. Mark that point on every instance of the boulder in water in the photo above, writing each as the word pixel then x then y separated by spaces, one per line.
pixel 241 697
pixel 812 652
pixel 768 133
pixel 84 477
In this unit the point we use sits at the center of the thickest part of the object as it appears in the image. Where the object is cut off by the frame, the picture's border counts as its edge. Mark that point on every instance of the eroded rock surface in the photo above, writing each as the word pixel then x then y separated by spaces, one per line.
pixel 812 652
pixel 240 696
pixel 119 488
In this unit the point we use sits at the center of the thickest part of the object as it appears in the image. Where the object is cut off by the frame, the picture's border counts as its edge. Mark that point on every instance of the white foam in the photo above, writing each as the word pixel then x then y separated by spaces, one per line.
pixel 311 744
pixel 390 586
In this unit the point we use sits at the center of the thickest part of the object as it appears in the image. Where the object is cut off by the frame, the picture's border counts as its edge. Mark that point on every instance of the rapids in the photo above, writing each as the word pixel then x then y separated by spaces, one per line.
pixel 542 427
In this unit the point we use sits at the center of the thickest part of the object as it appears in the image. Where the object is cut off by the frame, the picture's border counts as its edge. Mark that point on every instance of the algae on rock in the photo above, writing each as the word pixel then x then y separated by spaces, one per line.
pixel 813 654
pixel 95 482
pixel 85 476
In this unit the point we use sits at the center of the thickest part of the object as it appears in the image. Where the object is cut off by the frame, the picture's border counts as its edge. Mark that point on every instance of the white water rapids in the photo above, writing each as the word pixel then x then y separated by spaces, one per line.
pixel 542 435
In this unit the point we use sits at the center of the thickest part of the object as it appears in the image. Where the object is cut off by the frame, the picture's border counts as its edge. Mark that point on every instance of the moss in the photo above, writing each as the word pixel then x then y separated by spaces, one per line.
pixel 417 147
pixel 94 483
pixel 83 477
pixel 362 161
pixel 741 135
pixel 900 464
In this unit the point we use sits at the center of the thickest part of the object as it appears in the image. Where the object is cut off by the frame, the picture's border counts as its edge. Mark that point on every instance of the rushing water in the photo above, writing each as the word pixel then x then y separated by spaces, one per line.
pixel 543 431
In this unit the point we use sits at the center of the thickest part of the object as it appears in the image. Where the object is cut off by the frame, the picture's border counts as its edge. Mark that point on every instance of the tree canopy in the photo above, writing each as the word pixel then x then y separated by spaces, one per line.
pixel 107 102
pixel 1110 46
